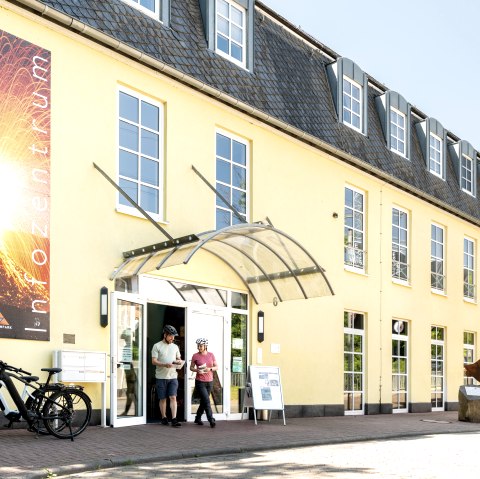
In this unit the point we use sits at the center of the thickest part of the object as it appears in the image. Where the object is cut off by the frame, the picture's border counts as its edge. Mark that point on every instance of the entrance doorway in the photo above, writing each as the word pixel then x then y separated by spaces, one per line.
pixel 195 311
pixel 215 327
pixel 158 316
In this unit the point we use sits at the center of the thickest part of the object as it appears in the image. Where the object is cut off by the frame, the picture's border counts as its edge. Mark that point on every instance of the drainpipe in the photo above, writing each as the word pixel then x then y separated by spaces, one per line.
pixel 381 300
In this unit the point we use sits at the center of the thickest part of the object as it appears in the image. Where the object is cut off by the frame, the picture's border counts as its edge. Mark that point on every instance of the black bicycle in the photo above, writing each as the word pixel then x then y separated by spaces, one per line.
pixel 48 408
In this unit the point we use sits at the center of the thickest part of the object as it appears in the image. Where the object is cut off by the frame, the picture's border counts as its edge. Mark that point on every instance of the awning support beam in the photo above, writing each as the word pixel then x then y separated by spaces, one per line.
pixel 234 210
pixel 133 203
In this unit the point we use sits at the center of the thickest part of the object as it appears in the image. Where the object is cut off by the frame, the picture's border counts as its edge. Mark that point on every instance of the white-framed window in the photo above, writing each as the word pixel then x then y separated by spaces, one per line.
pixel 353 362
pixel 435 155
pixel 140 153
pixel 437 258
pixel 397 131
pixel 437 357
pixel 466 174
pixel 150 7
pixel 231 159
pixel 400 257
pixel 354 229
pixel 399 366
pixel 469 269
pixel 352 104
pixel 230 31
pixel 468 355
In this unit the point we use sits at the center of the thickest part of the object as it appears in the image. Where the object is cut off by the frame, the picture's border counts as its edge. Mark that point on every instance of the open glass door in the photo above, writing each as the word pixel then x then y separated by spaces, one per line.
pixel 214 326
pixel 127 347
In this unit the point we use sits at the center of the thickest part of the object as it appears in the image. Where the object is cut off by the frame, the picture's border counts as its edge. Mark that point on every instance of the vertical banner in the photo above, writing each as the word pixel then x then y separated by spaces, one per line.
pixel 24 189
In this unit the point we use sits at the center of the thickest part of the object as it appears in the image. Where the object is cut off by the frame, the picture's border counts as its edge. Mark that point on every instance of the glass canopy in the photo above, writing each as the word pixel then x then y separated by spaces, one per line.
pixel 271 264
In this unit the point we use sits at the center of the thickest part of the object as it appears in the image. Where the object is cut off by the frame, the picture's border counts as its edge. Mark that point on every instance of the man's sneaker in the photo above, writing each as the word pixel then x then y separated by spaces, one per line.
pixel 164 421
pixel 212 422
pixel 175 423
pixel 198 421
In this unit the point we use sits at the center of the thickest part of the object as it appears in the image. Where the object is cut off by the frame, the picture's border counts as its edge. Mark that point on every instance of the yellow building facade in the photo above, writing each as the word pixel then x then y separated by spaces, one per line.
pixel 392 338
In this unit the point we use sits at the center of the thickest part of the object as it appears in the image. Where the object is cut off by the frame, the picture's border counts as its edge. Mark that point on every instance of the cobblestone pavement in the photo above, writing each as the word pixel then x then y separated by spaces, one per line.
pixel 23 456
pixel 427 457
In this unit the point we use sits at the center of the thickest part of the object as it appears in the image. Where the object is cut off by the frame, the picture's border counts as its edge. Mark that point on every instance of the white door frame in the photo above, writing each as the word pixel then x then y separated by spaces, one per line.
pixel 190 348
pixel 115 357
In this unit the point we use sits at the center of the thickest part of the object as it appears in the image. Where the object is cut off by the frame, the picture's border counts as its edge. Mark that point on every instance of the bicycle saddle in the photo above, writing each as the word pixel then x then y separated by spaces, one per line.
pixel 52 370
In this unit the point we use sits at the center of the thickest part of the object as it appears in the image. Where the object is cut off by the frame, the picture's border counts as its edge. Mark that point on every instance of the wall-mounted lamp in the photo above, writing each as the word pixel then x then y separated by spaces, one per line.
pixel 260 326
pixel 103 306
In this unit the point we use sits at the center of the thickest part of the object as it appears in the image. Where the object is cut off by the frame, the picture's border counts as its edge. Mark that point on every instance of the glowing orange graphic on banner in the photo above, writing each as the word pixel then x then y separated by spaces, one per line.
pixel 24 189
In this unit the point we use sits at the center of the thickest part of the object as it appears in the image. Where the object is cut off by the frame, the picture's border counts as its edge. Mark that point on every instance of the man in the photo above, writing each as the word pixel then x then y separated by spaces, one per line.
pixel 165 356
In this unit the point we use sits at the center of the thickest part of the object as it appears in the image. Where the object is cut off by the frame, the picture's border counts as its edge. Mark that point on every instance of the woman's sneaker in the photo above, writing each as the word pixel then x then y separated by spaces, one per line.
pixel 175 423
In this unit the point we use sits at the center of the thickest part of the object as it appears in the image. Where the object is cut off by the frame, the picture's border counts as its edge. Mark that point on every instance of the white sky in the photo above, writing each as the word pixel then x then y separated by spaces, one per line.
pixel 426 50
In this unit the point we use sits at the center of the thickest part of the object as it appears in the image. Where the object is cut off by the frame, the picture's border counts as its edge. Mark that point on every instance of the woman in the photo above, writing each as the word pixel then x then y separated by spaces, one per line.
pixel 203 363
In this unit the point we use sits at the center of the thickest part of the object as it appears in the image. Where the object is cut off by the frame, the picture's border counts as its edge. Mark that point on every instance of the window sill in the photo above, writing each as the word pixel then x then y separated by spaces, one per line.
pixel 438 292
pixel 469 300
pixel 351 269
pixel 401 283
pixel 134 212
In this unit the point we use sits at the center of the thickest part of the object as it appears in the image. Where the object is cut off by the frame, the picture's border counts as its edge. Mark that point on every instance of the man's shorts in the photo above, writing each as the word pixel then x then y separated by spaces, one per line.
pixel 166 388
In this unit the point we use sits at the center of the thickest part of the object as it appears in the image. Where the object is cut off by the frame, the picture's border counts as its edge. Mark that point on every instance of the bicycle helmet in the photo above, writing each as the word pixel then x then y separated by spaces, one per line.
pixel 167 329
pixel 203 341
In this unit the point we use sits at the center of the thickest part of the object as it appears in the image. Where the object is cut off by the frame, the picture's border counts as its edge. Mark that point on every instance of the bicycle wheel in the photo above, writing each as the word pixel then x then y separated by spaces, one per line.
pixel 35 403
pixel 67 413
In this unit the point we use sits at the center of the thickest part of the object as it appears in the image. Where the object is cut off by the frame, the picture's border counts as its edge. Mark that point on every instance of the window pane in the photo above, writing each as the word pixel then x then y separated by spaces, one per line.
pixel 239 153
pixel 222 44
pixel 222 25
pixel 223 171
pixel 150 171
pixel 223 146
pixel 149 144
pixel 150 117
pixel 128 107
pixel 128 136
pixel 237 34
pixel 128 164
pixel 150 4
pixel 225 191
pixel 222 7
pixel 239 300
pixel 239 199
pixel 237 16
pixel 223 219
pixel 131 189
pixel 239 178
pixel 237 52
pixel 149 199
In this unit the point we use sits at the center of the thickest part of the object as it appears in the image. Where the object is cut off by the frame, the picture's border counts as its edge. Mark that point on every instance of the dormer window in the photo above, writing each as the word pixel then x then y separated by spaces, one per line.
pixel 433 139
pixel 229 29
pixel 435 155
pixel 464 159
pixel 394 113
pixel 159 9
pixel 349 85
pixel 352 104
pixel 397 131
pixel 466 172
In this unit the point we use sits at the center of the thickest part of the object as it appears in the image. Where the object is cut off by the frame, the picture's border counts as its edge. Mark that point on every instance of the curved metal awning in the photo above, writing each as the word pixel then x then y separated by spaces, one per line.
pixel 270 263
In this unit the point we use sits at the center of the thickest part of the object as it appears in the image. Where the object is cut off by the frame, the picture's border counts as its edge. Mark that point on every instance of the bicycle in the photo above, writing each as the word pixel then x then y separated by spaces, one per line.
pixel 49 408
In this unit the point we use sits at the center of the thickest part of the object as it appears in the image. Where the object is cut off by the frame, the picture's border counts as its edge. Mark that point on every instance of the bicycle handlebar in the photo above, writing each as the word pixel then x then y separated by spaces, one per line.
pixel 6 366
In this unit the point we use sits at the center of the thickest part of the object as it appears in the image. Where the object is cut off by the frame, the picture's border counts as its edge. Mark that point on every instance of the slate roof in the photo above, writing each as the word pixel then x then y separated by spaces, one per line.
pixel 288 81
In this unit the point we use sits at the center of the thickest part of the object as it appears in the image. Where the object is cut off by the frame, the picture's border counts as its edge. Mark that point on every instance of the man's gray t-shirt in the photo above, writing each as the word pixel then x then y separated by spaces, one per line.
pixel 166 354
